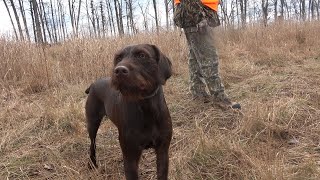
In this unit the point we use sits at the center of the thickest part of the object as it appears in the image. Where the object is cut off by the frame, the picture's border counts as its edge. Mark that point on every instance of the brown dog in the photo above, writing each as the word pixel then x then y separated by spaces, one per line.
pixel 133 100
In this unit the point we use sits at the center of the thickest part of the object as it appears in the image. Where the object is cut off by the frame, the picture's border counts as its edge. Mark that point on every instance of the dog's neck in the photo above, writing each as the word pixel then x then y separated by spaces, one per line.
pixel 151 105
pixel 153 93
pixel 146 99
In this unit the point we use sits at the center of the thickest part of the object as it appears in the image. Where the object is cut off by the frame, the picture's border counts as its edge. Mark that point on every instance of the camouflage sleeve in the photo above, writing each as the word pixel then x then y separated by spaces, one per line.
pixel 212 17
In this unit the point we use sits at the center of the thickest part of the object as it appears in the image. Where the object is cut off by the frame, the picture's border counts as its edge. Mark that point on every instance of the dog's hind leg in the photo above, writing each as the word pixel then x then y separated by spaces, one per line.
pixel 94 112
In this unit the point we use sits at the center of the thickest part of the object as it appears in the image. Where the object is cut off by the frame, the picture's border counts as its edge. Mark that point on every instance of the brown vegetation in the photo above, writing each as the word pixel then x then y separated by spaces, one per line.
pixel 272 71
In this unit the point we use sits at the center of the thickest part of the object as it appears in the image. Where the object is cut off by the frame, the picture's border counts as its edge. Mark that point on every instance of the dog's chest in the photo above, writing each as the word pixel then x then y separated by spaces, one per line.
pixel 143 126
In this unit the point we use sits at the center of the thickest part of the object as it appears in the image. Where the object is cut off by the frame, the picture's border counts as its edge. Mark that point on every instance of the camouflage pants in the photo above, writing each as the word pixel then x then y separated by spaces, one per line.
pixel 203 62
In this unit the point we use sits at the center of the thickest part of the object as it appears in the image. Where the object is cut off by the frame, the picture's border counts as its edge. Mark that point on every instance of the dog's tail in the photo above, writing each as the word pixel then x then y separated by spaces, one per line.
pixel 88 90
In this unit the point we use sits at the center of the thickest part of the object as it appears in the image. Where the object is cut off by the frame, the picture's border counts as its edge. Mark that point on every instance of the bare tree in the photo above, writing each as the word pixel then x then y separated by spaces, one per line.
pixel 53 24
pixel 275 5
pixel 103 19
pixel 264 7
pixel 166 5
pixel 17 19
pixel 98 24
pixel 311 9
pixel 156 14
pixel 88 19
pixel 22 11
pixel 224 12
pixel 318 9
pixel 302 7
pixel 74 14
pixel 117 15
pixel 43 23
pixel 36 21
pixel 78 18
pixel 62 21
pixel 13 26
pixel 130 15
pixel 118 11
pixel 93 17
pixel 51 20
pixel 173 8
pixel 110 17
pixel 243 11
pixel 144 15
pixel 228 9
pixel 283 4
pixel 71 4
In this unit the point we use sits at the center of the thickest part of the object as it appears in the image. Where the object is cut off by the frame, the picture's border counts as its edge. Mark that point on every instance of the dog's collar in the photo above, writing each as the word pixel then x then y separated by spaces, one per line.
pixel 152 94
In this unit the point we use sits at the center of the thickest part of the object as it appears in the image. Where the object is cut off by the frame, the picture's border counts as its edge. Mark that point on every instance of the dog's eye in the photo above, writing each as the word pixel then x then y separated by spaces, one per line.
pixel 142 55
pixel 117 59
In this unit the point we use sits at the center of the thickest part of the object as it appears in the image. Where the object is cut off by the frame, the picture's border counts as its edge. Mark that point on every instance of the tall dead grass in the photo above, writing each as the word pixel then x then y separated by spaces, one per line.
pixel 272 71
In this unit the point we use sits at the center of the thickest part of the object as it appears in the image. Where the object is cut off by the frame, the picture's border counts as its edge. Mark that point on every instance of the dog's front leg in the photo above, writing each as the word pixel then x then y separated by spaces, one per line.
pixel 162 162
pixel 131 163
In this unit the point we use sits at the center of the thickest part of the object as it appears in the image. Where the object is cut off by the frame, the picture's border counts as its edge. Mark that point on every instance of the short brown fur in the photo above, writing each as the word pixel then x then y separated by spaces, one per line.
pixel 132 98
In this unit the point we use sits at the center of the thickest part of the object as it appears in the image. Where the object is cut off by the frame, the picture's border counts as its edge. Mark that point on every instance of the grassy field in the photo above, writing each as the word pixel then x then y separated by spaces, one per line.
pixel 274 72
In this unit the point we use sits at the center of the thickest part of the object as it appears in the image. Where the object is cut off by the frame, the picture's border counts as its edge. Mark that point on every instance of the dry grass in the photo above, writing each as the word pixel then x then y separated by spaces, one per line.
pixel 273 72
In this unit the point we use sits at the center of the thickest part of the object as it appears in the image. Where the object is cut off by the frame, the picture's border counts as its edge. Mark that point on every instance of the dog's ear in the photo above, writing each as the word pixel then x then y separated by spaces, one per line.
pixel 164 65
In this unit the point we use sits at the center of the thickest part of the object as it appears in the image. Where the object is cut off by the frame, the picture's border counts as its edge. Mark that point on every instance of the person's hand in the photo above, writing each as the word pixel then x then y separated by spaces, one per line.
pixel 202 25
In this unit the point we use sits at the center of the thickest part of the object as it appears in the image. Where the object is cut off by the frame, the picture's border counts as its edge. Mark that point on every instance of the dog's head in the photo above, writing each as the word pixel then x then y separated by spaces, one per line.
pixel 139 70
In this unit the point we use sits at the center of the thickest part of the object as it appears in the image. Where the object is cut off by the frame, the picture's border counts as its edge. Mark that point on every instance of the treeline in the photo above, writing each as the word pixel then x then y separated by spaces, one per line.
pixel 52 21
pixel 239 13
pixel 46 21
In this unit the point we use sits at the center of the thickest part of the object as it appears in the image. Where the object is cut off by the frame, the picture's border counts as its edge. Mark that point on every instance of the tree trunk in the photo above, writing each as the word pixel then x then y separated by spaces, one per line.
pixel 275 3
pixel 224 11
pixel 78 18
pixel 166 5
pixel 37 22
pixel 72 15
pixel 33 22
pixel 54 30
pixel 13 26
pixel 62 21
pixel 282 5
pixel 264 6
pixel 43 22
pixel 156 14
pixel 303 9
pixel 118 11
pixel 22 11
pixel 88 18
pixel 121 16
pixel 318 9
pixel 144 15
pixel 93 20
pixel 243 11
pixel 17 19
pixel 110 18
pixel 132 25
pixel 103 19
pixel 98 25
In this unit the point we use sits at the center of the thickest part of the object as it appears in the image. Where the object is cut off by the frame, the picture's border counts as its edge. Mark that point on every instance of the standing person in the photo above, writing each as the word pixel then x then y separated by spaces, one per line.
pixel 198 18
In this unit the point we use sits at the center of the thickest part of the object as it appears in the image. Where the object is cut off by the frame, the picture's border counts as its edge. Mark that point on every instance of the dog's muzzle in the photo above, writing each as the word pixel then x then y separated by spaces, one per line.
pixel 121 71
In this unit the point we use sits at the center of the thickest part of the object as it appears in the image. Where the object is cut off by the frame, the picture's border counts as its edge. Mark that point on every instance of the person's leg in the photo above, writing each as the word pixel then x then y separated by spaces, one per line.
pixel 197 87
pixel 202 45
pixel 204 55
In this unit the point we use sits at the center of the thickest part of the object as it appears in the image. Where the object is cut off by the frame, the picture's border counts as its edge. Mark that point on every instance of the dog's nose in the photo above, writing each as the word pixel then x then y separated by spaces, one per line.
pixel 121 70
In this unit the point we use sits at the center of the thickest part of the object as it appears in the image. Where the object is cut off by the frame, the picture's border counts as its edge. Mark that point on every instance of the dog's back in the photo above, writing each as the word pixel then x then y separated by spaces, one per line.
pixel 100 93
